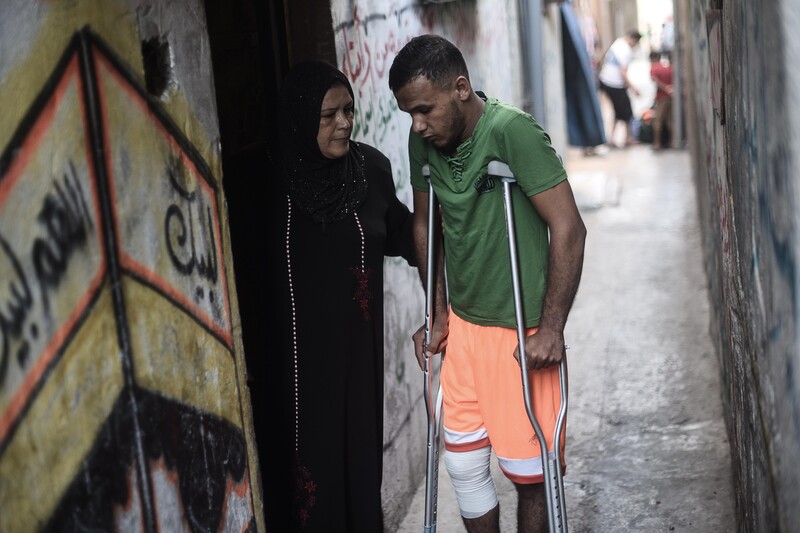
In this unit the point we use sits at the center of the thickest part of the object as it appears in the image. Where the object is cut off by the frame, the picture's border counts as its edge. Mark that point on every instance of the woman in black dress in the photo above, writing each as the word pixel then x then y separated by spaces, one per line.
pixel 317 384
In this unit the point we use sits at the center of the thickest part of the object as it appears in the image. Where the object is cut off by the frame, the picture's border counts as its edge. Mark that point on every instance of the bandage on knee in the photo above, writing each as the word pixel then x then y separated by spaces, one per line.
pixel 472 481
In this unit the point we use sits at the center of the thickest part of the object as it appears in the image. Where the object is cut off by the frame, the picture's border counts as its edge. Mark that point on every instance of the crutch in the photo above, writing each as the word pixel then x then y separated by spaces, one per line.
pixel 553 477
pixel 434 410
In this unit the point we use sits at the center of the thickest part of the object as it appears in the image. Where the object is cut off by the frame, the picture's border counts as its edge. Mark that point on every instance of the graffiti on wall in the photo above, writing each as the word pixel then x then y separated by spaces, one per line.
pixel 366 44
pixel 368 37
pixel 119 404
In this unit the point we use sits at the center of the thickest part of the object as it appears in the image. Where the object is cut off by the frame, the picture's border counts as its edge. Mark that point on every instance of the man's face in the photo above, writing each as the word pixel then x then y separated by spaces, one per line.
pixel 435 113
pixel 335 122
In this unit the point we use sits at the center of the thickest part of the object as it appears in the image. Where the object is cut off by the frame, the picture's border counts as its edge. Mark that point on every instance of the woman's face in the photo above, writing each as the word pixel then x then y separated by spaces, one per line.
pixel 335 122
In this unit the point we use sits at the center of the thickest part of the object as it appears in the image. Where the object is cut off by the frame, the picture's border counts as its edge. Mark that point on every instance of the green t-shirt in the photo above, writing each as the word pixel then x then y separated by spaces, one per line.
pixel 478 270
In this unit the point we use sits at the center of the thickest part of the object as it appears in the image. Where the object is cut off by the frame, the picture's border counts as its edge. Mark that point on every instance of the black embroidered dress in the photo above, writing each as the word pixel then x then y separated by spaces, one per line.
pixel 317 385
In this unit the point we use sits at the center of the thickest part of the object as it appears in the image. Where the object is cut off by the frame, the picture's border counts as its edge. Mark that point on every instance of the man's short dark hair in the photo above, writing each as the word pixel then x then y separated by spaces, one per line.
pixel 635 35
pixel 431 56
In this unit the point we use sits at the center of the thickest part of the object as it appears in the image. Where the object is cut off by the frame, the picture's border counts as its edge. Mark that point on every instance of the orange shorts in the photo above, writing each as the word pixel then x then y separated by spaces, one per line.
pixel 483 403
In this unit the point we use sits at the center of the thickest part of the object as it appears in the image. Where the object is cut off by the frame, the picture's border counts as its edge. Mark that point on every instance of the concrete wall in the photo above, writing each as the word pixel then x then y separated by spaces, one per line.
pixel 122 405
pixel 742 99
pixel 368 35
pixel 554 93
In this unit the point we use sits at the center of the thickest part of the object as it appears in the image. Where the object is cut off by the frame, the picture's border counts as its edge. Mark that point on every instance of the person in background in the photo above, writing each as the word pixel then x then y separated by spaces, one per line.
pixel 458 132
pixel 328 218
pixel 614 81
pixel 661 74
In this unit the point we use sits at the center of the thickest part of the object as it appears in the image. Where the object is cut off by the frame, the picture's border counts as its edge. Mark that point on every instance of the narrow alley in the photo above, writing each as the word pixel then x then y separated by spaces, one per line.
pixel 171 355
pixel 646 443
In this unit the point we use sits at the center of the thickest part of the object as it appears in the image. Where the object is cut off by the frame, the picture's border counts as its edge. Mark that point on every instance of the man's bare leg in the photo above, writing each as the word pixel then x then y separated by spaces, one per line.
pixel 488 523
pixel 531 508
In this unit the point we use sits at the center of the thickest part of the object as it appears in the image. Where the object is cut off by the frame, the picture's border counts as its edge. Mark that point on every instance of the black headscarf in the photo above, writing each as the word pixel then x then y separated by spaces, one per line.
pixel 326 189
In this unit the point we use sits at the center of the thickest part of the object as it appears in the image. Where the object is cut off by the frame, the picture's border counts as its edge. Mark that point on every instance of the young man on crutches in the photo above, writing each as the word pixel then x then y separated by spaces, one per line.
pixel 458 132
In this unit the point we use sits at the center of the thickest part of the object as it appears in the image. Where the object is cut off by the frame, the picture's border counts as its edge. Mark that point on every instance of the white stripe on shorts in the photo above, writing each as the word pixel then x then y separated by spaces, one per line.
pixel 524 467
pixel 460 437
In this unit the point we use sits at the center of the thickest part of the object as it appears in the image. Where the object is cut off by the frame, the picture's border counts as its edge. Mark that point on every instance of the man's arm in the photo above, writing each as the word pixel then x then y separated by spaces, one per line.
pixel 439 328
pixel 661 84
pixel 628 84
pixel 557 208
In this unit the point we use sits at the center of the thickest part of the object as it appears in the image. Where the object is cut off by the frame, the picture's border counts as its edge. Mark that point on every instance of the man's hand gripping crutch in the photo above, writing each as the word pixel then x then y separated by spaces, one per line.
pixel 551 466
pixel 427 344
